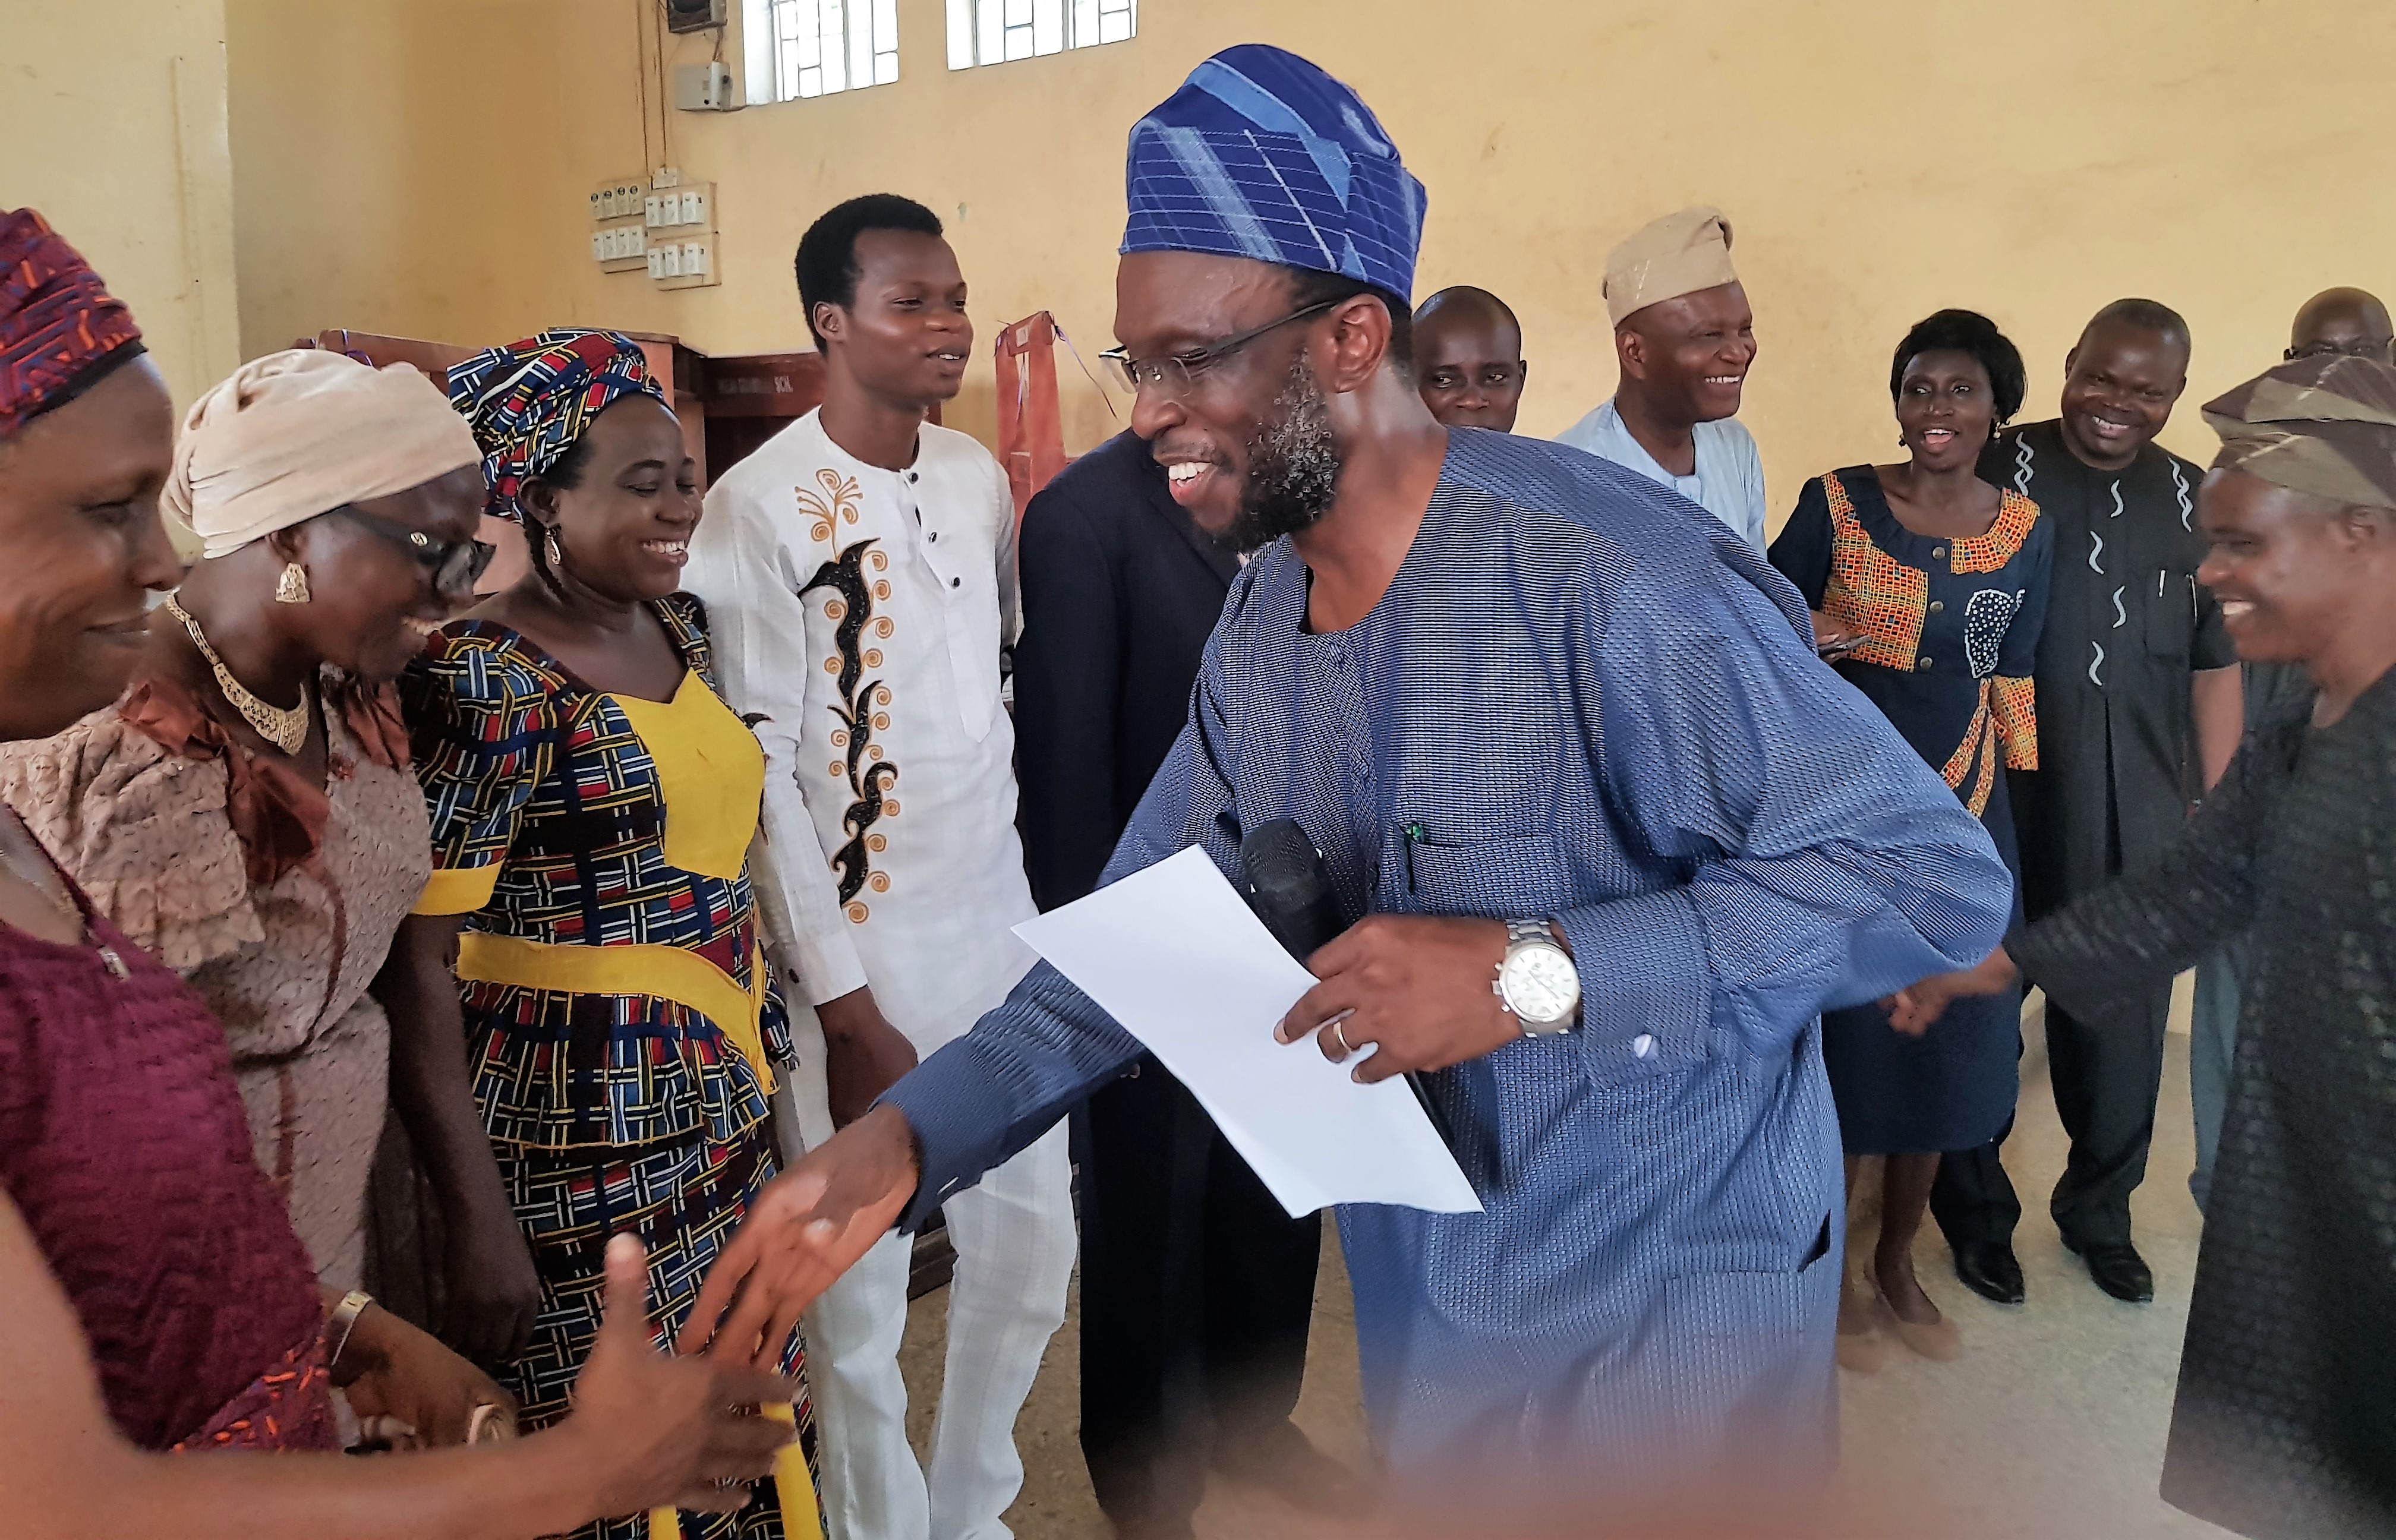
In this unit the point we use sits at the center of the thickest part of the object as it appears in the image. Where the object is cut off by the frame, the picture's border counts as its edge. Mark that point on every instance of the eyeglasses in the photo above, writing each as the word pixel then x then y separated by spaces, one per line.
pixel 456 565
pixel 2357 349
pixel 1178 374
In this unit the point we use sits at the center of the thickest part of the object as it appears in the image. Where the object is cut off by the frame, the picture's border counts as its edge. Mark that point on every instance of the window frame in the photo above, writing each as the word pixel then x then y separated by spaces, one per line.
pixel 864 51
pixel 986 33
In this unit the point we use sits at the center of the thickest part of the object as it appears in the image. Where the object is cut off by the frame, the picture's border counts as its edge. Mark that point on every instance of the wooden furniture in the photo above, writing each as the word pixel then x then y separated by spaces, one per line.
pixel 751 397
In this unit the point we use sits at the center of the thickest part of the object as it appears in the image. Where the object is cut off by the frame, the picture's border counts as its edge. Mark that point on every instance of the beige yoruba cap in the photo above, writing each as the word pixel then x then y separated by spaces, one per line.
pixel 1678 254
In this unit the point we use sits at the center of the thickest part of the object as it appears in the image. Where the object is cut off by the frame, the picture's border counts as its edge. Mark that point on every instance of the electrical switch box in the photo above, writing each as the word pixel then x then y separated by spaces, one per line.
pixel 703 87
pixel 689 264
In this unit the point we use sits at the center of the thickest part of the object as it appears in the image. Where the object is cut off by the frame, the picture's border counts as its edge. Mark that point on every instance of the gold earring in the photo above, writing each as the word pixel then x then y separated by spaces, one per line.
pixel 292 586
pixel 556 552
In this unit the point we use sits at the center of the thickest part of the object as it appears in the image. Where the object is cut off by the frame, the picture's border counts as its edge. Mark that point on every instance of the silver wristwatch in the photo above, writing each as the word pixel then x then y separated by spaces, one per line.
pixel 1537 983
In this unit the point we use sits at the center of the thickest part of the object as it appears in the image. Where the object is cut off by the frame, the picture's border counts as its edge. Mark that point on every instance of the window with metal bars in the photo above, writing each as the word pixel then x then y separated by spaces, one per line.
pixel 815 47
pixel 992 31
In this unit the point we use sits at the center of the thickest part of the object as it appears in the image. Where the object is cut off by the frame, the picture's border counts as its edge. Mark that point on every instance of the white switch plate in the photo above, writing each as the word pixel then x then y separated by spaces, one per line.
pixel 691 204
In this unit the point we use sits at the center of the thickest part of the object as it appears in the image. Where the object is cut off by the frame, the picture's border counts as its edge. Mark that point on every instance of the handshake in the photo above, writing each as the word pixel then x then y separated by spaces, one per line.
pixel 689 1431
pixel 1914 1009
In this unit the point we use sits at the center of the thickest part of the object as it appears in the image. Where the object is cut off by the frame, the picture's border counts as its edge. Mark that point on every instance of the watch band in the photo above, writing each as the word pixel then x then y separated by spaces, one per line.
pixel 344 1320
pixel 1530 930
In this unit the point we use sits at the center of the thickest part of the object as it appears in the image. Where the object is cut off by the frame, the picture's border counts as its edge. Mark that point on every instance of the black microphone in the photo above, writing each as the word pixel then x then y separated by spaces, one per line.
pixel 1287 883
pixel 1289 886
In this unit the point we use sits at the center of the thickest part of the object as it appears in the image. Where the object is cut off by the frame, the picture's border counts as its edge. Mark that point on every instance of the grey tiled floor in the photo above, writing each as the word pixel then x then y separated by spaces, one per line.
pixel 2050 1428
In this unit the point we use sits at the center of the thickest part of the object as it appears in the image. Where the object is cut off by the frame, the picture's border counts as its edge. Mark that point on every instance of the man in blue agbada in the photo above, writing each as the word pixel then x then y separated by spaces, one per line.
pixel 1544 719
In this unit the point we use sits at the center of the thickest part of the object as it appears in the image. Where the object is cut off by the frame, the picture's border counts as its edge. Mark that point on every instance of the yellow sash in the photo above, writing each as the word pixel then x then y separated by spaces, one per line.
pixel 792 1484
pixel 668 972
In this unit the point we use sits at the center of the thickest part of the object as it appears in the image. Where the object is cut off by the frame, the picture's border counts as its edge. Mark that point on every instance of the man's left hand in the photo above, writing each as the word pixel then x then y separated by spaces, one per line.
pixel 1417 989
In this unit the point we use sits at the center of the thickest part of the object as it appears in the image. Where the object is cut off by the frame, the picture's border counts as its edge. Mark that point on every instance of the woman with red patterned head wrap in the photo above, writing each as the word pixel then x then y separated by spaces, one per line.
pixel 589 943
pixel 158 1299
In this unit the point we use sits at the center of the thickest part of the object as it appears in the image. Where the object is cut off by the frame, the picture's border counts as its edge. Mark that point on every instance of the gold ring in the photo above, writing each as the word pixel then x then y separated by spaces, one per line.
pixel 1339 1030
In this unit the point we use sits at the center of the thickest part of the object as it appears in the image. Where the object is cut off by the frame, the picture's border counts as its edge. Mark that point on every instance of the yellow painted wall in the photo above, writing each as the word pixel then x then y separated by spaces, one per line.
pixel 420 167
pixel 113 124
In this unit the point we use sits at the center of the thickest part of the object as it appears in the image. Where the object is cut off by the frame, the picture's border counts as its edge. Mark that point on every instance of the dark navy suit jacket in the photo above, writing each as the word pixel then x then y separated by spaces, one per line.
pixel 1120 589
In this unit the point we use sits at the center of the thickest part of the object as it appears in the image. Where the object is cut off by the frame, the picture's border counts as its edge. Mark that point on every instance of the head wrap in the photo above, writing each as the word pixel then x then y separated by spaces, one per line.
pixel 532 400
pixel 299 434
pixel 60 330
pixel 1678 254
pixel 1260 154
pixel 2325 425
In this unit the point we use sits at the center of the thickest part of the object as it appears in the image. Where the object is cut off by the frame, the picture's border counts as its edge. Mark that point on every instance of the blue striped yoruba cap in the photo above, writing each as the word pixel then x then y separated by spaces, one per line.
pixel 1261 154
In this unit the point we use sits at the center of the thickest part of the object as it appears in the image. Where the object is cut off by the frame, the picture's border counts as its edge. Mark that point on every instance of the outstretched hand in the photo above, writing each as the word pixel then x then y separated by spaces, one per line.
pixel 664 1432
pixel 1914 1009
pixel 808 1228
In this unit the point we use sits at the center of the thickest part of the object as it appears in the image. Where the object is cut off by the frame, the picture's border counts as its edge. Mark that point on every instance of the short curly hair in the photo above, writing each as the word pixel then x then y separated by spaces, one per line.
pixel 1966 332
pixel 826 263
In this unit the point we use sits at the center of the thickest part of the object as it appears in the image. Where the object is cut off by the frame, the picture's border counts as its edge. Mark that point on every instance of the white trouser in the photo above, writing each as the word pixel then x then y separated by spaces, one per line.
pixel 1015 1243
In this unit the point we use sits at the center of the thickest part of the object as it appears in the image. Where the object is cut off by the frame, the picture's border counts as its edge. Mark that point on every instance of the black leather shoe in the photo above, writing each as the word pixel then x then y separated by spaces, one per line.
pixel 1989 1269
pixel 2118 1270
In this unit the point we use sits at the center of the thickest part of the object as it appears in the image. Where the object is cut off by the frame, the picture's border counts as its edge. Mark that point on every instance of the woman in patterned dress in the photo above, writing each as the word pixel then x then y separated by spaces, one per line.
pixel 159 1306
pixel 1928 587
pixel 592 804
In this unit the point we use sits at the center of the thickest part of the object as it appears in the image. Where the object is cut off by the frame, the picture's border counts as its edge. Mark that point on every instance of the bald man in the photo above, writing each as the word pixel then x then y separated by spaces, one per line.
pixel 2347 321
pixel 1684 339
pixel 1468 359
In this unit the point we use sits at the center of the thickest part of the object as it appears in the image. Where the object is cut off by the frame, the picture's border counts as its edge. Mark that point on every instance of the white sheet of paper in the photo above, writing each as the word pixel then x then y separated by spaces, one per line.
pixel 1175 956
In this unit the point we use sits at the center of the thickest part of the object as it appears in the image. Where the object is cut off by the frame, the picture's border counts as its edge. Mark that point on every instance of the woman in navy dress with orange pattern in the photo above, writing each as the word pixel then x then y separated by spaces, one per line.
pixel 1929 586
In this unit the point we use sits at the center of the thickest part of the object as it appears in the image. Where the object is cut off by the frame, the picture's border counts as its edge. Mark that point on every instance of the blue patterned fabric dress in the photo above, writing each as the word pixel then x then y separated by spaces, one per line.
pixel 1951 634
pixel 1580 698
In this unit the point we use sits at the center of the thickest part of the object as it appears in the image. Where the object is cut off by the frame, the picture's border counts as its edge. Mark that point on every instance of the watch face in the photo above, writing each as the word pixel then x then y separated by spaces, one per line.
pixel 1542 984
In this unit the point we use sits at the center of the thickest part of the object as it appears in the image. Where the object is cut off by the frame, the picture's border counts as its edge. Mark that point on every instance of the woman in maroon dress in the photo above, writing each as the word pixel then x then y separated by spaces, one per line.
pixel 158 1299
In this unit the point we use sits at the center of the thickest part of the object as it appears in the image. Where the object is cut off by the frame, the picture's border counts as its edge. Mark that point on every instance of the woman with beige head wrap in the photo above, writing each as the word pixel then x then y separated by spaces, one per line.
pixel 245 811
pixel 2285 1425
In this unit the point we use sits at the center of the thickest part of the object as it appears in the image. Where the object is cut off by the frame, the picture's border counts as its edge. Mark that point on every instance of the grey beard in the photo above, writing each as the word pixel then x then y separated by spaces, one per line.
pixel 1293 464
